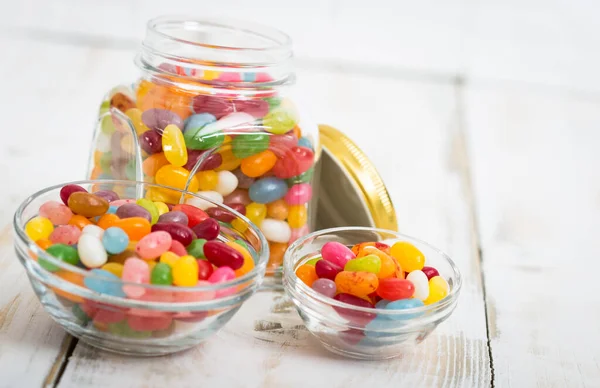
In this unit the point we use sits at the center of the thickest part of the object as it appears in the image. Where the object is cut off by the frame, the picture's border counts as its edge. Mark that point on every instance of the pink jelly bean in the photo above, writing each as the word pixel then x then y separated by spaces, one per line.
pixel 222 255
pixel 178 248
pixel 223 274
pixel 195 296
pixel 67 190
pixel 207 229
pixel 152 295
pixel 108 315
pixel 140 323
pixel 153 245
pixel 299 194
pixel 65 234
pixel 337 253
pixel 135 271
pixel 188 316
pixel 326 269
pixel 120 202
pixel 299 232
pixel 56 212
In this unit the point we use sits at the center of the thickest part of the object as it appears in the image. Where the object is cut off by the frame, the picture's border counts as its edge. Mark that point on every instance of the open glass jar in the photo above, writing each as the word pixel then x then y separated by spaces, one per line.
pixel 212 113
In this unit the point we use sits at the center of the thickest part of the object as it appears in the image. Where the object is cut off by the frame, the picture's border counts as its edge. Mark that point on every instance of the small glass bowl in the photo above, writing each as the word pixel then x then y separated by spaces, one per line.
pixel 165 319
pixel 359 332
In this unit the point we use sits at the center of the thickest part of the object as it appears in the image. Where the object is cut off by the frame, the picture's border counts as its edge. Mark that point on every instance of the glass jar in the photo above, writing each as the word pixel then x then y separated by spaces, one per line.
pixel 212 113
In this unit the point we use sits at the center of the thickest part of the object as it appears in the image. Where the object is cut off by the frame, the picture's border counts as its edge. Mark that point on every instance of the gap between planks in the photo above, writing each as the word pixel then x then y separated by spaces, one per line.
pixel 62 359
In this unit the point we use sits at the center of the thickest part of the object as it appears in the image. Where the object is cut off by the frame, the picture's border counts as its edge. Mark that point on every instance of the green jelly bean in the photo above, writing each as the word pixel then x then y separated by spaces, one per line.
pixel 278 121
pixel 63 252
pixel 122 329
pixel 196 248
pixel 105 161
pixel 369 263
pixel 313 261
pixel 305 177
pixel 274 102
pixel 151 207
pixel 80 314
pixel 204 138
pixel 104 107
pixel 107 126
pixel 243 243
pixel 161 274
pixel 249 144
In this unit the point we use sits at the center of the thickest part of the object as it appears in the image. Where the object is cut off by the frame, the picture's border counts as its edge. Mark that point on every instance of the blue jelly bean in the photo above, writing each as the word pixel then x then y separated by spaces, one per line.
pixel 381 304
pixel 304 142
pixel 112 210
pixel 249 77
pixel 115 240
pixel 104 282
pixel 267 190
pixel 197 121
pixel 380 326
pixel 404 304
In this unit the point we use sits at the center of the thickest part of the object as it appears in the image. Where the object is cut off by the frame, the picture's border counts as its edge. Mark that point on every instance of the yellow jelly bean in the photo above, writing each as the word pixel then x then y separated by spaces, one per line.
pixel 162 207
pixel 229 161
pixel 256 212
pixel 169 258
pixel 207 180
pixel 185 271
pixel 210 75
pixel 39 228
pixel 175 176
pixel 151 264
pixel 114 268
pixel 408 256
pixel 135 115
pixel 156 194
pixel 248 260
pixel 174 145
pixel 438 290
pixel 239 225
pixel 127 143
pixel 297 216
pixel 149 205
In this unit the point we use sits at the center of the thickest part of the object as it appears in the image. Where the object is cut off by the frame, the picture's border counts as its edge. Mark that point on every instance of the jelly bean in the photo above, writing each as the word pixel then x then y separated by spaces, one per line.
pixel 107 220
pixel 161 274
pixel 336 253
pixel 409 257
pixel 173 146
pixel 313 261
pixel 67 190
pixel 87 205
pixel 281 144
pixel 278 210
pixel 153 245
pixel 304 142
pixel 135 115
pixel 112 210
pixel 221 275
pixel 299 194
pixel 198 121
pixel 259 164
pixel 161 207
pixel 307 274
pixel 248 264
pixel 196 248
pixel 43 243
pixel 56 212
pixel 104 282
pixel 143 326
pixel 216 106
pixel 278 121
pixel 114 268
pixel 325 287
pixel 421 283
pixel 151 142
pixel 438 290
pixel 394 289
pixel 267 190
pixel 275 230
pixel 298 232
pixel 404 304
pixel 221 255
pixel 91 251
pixel 389 265
pixel 370 263
pixel 297 216
pixel 295 162
pixel 121 202
pixel 359 283
pixel 430 272
pixel 135 271
pixel 62 252
pixel 225 215
pixel 129 210
pixel 169 258
pixel 249 144
pixel 207 229
pixel 257 108
pixel 229 161
pixel 326 269
pixel 79 221
pixel 227 182
pixel 185 272
pixel 244 181
pixel 93 230
pixel 209 160
pixel 207 180
pixel 205 137
pixel 276 252
pixel 356 317
pixel 153 163
pixel 108 195
pixel 178 248
pixel 205 269
pixel 210 199
pixel 39 228
pixel 122 102
pixel 135 227
pixel 159 119
pixel 382 303
pixel 194 215
pixel 174 216
pixel 115 240
pixel 65 234
pixel 150 207
pixel 305 177
pixel 178 232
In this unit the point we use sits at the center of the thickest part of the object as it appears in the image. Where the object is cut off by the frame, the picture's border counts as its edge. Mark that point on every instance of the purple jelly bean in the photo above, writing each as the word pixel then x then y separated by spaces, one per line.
pixel 178 232
pixel 212 161
pixel 158 119
pixel 175 216
pixel 151 142
pixel 67 190
pixel 325 287
pixel 299 194
pixel 129 210
pixel 109 195
pixel 222 255
pixel 337 253
pixel 326 269
pixel 238 196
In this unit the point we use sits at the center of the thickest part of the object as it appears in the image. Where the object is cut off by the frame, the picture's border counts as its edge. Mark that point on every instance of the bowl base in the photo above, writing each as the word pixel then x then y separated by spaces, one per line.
pixel 360 355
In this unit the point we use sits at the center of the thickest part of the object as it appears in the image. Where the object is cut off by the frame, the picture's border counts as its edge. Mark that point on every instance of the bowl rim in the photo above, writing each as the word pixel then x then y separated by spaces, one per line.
pixel 292 282
pixel 257 272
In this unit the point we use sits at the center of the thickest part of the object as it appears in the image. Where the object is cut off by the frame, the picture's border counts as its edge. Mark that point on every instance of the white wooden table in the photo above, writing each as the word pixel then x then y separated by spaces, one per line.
pixel 483 119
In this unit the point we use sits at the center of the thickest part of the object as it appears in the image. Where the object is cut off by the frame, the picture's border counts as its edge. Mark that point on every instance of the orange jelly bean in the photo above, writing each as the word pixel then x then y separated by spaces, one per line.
pixel 79 221
pixel 358 283
pixel 307 274
pixel 381 246
pixel 278 210
pixel 257 165
pixel 276 251
pixel 248 264
pixel 71 277
pixel 44 243
pixel 108 220
pixel 135 227
pixel 153 163
pixel 389 265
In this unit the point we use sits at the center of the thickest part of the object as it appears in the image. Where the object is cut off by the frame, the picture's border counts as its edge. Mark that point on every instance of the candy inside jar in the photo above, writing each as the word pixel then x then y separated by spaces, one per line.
pixel 212 113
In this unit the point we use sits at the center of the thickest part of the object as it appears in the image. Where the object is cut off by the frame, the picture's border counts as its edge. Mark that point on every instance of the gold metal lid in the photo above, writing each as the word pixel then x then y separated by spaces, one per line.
pixel 351 192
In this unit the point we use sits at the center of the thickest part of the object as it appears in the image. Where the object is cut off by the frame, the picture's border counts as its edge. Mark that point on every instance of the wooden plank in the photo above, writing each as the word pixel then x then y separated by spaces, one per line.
pixel 537 183
pixel 412 132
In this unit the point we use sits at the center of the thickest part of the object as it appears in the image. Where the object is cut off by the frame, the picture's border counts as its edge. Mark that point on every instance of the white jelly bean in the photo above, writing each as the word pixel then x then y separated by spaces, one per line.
pixel 203 204
pixel 91 251
pixel 276 231
pixel 93 230
pixel 419 279
pixel 227 183
pixel 103 143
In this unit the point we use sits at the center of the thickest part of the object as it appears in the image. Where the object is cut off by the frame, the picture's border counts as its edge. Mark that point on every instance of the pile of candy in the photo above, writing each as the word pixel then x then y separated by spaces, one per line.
pixel 250 151
pixel 124 242
pixel 374 275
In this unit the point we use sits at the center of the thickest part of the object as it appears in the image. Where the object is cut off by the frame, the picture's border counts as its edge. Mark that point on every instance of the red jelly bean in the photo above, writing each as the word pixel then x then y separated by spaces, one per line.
pixel 395 289
pixel 256 108
pixel 195 215
pixel 207 229
pixel 327 270
pixel 151 141
pixel 222 255
pixel 205 269
pixel 178 248
pixel 211 162
pixel 430 272
pixel 67 190
pixel 293 163
pixel 225 215
pixel 216 106
pixel 178 232
pixel 358 317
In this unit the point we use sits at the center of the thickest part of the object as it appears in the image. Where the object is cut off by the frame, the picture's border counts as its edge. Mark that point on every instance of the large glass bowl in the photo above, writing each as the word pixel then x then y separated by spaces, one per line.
pixel 165 319
pixel 359 332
